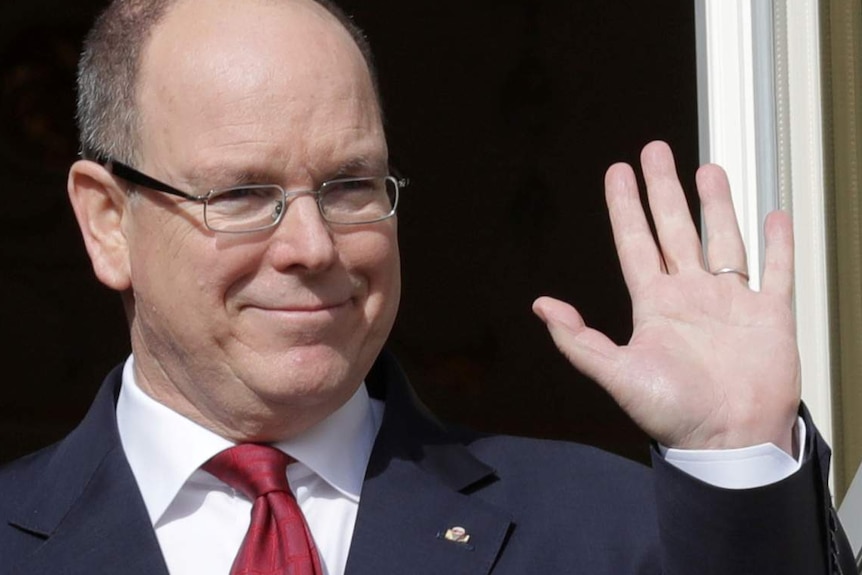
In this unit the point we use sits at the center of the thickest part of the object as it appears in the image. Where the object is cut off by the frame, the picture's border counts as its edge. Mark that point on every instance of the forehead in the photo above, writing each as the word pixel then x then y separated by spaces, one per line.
pixel 255 74
pixel 222 33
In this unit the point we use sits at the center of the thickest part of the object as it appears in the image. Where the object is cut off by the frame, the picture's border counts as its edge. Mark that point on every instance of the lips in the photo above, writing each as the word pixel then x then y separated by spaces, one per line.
pixel 295 303
pixel 299 308
pixel 303 308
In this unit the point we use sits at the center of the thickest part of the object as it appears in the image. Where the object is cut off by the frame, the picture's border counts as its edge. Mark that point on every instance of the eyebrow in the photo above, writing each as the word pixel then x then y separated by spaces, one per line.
pixel 221 176
pixel 360 164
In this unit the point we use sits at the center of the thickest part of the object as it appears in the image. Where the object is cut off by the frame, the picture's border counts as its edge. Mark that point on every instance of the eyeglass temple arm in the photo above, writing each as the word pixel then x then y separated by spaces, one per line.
pixel 133 176
pixel 400 178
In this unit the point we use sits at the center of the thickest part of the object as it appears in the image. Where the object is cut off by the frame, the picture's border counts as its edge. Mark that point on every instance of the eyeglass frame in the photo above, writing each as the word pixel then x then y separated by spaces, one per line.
pixel 133 176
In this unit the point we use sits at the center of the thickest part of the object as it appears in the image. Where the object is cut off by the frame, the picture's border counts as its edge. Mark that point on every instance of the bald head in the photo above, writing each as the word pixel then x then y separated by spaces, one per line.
pixel 206 57
pixel 109 70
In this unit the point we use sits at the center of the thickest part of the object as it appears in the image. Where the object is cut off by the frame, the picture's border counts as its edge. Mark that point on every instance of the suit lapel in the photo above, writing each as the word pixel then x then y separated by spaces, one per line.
pixel 87 506
pixel 416 489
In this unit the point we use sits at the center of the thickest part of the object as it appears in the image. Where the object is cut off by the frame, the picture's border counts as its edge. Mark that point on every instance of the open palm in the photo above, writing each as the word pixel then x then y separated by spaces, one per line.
pixel 711 363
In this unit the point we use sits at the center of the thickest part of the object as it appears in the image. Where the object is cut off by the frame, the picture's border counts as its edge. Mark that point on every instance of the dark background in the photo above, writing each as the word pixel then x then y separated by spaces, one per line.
pixel 503 113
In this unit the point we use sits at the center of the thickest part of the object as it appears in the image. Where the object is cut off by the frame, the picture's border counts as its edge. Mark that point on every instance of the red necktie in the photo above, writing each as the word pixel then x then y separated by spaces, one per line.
pixel 278 541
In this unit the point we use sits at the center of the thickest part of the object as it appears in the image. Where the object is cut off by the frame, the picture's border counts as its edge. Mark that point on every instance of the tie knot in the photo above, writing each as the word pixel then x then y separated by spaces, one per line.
pixel 251 468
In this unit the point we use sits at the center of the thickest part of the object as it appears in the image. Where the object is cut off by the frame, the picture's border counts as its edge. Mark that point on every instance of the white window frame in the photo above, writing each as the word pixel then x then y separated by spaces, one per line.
pixel 760 116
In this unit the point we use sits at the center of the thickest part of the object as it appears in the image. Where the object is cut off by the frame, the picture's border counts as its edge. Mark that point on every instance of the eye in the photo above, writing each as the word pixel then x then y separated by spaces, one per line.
pixel 244 208
pixel 244 193
pixel 352 185
pixel 353 193
pixel 358 200
pixel 251 199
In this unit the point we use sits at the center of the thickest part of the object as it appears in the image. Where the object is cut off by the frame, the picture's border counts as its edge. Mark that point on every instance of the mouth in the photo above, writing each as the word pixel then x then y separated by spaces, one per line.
pixel 299 310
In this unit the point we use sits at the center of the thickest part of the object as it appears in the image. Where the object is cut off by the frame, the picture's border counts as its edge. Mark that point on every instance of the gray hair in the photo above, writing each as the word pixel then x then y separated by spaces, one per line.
pixel 108 71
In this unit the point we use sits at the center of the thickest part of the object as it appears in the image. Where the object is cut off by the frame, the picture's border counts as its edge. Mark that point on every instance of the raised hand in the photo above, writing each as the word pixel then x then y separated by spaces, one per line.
pixel 711 364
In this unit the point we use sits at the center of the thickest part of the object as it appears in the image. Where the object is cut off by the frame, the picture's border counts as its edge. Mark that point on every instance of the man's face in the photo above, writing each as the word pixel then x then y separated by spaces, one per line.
pixel 256 336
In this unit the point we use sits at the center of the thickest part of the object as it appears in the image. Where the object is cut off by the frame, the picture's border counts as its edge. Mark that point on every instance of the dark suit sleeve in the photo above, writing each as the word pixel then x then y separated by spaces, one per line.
pixel 789 527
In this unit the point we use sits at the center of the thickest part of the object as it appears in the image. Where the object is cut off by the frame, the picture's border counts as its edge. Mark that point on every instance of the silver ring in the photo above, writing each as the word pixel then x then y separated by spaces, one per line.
pixel 740 273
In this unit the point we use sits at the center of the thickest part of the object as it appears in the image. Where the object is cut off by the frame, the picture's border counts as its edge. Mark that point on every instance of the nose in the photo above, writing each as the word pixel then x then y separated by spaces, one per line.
pixel 302 239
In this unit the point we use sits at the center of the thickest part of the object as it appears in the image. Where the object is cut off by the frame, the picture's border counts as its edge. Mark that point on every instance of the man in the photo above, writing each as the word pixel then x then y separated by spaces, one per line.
pixel 258 311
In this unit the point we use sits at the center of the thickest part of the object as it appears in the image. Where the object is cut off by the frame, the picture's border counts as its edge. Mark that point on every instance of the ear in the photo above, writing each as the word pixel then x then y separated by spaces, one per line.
pixel 100 207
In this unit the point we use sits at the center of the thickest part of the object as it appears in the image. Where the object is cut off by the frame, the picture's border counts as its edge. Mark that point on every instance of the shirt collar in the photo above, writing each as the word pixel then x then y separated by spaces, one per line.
pixel 165 448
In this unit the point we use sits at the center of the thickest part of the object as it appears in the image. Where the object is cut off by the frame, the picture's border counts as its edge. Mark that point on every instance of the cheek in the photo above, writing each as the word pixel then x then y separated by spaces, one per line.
pixel 180 272
pixel 372 257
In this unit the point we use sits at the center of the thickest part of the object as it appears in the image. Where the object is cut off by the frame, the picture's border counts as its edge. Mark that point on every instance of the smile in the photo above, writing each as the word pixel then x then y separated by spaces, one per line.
pixel 301 310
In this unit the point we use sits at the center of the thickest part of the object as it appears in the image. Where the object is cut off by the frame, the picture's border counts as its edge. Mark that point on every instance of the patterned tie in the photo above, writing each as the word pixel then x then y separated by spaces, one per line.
pixel 278 541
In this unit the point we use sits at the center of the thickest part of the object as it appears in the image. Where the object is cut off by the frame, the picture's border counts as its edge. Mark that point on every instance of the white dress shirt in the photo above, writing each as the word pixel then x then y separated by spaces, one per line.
pixel 200 522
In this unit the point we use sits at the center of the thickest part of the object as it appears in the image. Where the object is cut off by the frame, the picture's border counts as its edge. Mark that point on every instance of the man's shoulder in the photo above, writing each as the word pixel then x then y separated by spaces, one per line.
pixel 23 482
pixel 17 475
pixel 552 489
pixel 547 473
pixel 71 460
pixel 511 452
pixel 409 428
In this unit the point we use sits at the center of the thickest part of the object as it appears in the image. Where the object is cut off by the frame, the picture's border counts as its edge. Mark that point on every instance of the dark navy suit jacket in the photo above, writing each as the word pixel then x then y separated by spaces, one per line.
pixel 529 506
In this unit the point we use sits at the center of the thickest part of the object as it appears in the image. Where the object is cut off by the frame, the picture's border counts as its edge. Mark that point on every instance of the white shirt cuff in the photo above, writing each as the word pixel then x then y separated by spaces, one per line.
pixel 743 468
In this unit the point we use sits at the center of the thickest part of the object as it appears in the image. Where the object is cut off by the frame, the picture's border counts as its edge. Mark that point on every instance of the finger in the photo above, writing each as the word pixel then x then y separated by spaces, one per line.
pixel 724 246
pixel 678 238
pixel 778 256
pixel 589 350
pixel 639 256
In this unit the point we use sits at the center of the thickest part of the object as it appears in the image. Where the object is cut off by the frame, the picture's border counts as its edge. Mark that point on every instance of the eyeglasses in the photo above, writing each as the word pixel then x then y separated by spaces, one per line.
pixel 256 207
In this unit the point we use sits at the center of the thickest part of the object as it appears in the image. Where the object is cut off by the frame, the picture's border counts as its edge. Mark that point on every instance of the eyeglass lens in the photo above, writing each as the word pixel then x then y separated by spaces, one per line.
pixel 257 207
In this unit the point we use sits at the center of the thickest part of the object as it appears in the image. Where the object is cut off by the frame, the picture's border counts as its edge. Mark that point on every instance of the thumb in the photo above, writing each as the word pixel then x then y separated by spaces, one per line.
pixel 588 350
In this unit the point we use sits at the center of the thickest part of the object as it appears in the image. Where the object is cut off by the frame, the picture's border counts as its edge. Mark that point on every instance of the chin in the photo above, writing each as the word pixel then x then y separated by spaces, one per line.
pixel 312 375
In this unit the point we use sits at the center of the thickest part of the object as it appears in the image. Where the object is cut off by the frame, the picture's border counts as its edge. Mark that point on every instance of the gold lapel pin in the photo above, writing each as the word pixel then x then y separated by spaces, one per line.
pixel 456 535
